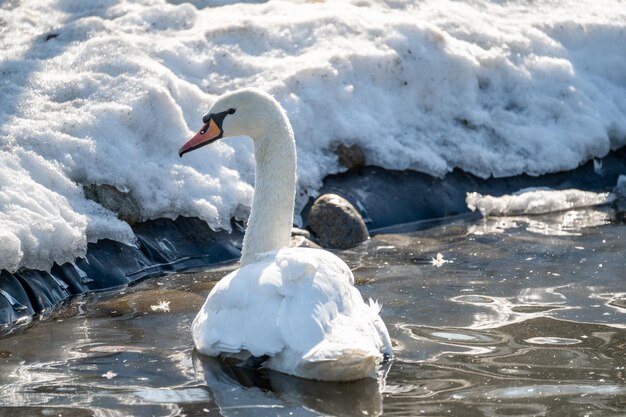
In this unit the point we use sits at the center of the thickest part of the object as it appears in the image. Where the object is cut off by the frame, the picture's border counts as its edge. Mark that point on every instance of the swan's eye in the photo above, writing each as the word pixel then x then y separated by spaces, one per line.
pixel 232 111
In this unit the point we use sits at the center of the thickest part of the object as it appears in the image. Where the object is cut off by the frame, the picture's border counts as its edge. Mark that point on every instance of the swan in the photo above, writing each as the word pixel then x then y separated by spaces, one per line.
pixel 295 309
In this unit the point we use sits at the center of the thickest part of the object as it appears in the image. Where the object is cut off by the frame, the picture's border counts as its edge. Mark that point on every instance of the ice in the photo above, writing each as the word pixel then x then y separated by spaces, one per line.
pixel 563 223
pixel 620 188
pixel 106 92
pixel 535 201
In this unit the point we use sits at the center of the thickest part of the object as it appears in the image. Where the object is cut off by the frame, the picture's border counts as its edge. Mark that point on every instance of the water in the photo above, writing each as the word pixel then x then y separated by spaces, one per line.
pixel 516 317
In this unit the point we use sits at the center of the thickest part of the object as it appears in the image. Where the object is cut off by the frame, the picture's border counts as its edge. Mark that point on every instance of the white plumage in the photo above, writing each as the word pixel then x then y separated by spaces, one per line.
pixel 296 306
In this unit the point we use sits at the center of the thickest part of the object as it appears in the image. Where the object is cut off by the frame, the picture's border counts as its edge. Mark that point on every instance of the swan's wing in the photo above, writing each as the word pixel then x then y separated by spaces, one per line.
pixel 289 298
pixel 317 290
pixel 240 314
pixel 325 307
pixel 328 330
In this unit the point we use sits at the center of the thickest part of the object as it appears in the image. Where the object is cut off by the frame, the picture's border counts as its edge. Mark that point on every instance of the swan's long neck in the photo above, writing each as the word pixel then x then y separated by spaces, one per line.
pixel 271 216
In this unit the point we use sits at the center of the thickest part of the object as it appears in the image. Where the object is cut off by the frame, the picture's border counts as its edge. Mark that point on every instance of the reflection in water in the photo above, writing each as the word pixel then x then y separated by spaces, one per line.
pixel 552 341
pixel 517 324
pixel 566 223
pixel 242 392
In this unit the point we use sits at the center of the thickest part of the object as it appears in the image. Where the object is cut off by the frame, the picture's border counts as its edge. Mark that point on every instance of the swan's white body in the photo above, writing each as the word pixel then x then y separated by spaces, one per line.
pixel 298 306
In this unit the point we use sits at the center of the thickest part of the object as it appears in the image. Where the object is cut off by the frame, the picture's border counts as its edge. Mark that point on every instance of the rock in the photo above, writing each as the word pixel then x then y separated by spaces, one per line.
pixel 351 157
pixel 336 222
pixel 121 203
pixel 302 238
pixel 300 232
pixel 299 241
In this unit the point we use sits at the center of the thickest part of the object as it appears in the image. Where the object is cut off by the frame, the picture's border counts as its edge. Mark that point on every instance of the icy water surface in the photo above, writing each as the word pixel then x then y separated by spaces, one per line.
pixel 516 317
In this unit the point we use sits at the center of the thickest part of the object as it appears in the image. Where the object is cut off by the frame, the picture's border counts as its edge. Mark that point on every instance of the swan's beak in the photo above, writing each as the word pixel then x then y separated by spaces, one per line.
pixel 209 133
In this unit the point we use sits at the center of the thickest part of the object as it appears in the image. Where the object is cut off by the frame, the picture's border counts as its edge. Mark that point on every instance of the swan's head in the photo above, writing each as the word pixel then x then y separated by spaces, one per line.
pixel 248 112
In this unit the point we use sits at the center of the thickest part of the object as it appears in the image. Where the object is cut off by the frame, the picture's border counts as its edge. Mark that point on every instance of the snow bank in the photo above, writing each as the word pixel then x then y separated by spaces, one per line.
pixel 535 201
pixel 106 92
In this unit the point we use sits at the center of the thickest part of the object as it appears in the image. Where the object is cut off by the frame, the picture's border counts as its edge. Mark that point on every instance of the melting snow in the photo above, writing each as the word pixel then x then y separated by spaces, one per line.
pixel 534 201
pixel 106 92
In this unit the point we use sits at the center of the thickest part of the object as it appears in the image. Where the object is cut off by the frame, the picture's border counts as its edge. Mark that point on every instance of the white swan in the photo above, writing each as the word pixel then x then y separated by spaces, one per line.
pixel 297 307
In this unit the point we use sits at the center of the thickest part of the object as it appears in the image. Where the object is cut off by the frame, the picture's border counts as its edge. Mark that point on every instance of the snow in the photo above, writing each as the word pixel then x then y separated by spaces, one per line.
pixel 106 92
pixel 535 201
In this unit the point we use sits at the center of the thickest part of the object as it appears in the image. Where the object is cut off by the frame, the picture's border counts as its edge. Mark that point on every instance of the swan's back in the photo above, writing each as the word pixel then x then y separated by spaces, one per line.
pixel 298 306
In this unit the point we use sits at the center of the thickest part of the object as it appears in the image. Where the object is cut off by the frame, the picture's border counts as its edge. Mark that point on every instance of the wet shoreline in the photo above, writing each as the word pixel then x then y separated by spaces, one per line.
pixel 388 200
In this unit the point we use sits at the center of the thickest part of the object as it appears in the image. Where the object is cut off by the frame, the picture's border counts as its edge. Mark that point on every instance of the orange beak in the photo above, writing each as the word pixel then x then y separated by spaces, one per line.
pixel 209 133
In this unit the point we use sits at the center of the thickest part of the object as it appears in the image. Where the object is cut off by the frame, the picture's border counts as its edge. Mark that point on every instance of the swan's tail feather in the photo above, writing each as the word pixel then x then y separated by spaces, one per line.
pixel 375 309
pixel 375 306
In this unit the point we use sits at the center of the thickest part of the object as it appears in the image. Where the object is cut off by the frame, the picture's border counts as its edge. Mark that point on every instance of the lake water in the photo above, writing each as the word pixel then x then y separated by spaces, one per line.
pixel 516 317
